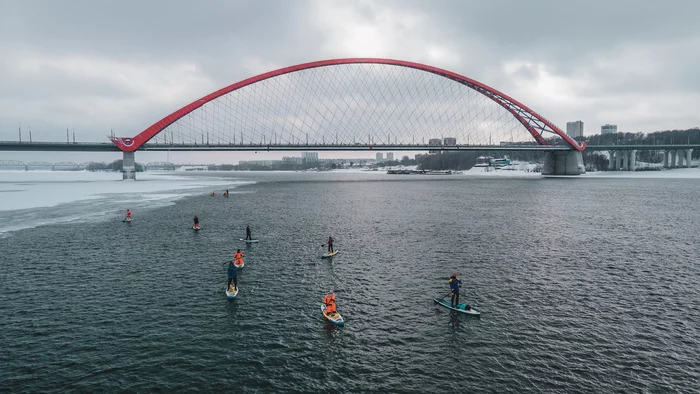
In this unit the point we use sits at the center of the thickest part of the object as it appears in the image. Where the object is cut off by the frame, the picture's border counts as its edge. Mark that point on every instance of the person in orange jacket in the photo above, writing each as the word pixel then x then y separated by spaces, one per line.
pixel 329 301
pixel 128 214
pixel 238 256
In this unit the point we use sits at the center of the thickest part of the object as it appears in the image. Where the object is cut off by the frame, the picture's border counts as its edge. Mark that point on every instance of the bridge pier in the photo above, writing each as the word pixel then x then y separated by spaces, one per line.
pixel 688 157
pixel 673 159
pixel 625 161
pixel 633 160
pixel 681 158
pixel 666 158
pixel 129 166
pixel 563 163
pixel 618 160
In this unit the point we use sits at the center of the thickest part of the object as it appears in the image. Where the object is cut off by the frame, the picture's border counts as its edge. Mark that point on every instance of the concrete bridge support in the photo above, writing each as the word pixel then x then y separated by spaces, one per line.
pixel 688 157
pixel 666 159
pixel 618 160
pixel 129 166
pixel 633 160
pixel 611 162
pixel 625 161
pixel 563 163
pixel 681 157
pixel 673 159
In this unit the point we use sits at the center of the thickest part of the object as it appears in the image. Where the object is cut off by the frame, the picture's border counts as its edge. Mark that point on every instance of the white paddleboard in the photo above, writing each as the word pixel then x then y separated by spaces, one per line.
pixel 329 254
pixel 334 318
pixel 250 241
pixel 231 293
pixel 459 308
pixel 196 228
pixel 128 220
pixel 239 266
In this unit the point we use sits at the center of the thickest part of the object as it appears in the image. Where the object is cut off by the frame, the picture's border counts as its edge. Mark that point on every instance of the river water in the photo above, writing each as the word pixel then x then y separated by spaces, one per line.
pixel 586 285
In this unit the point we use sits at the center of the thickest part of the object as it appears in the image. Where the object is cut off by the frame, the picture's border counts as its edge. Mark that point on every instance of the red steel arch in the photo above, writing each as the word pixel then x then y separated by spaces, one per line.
pixel 533 122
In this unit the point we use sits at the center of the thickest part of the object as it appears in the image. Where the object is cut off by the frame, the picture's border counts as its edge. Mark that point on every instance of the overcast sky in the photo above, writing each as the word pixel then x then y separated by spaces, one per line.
pixel 93 66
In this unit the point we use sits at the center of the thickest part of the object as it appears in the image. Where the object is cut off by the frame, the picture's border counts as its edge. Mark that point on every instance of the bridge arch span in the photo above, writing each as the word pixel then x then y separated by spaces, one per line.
pixel 535 124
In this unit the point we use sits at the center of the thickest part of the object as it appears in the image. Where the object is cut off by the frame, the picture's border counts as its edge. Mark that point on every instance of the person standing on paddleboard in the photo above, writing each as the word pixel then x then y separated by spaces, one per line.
pixel 196 221
pixel 232 273
pixel 128 214
pixel 330 244
pixel 455 284
pixel 248 236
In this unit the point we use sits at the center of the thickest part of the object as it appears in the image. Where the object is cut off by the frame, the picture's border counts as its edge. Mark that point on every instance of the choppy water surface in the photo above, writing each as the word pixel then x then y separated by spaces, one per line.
pixel 585 286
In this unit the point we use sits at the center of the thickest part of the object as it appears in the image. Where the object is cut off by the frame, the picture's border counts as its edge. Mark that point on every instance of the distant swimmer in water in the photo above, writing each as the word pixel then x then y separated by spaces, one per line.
pixel 196 222
pixel 248 236
pixel 213 194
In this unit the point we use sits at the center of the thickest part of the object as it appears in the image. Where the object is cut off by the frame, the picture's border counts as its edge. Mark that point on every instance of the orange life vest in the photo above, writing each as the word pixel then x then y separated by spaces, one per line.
pixel 330 308
pixel 238 256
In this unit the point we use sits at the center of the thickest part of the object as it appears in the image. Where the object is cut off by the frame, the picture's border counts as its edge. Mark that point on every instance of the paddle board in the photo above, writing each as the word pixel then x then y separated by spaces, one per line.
pixel 330 254
pixel 459 308
pixel 196 228
pixel 231 293
pixel 128 220
pixel 249 241
pixel 241 265
pixel 334 318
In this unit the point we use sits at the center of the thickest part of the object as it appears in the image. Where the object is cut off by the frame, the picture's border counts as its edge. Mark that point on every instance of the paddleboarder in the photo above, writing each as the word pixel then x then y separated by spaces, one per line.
pixel 196 221
pixel 128 214
pixel 455 284
pixel 232 273
pixel 248 236
pixel 329 301
pixel 330 244
pixel 238 256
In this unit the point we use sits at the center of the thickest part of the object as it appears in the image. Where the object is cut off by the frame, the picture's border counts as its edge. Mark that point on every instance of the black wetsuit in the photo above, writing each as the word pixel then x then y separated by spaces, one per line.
pixel 247 234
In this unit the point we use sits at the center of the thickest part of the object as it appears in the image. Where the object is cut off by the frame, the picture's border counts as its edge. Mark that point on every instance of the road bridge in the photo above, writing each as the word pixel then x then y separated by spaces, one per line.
pixel 356 104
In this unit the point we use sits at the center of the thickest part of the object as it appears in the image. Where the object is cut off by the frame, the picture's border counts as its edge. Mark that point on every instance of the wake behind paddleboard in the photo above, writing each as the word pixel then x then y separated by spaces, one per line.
pixel 459 308
pixel 330 254
pixel 334 318
pixel 249 241
pixel 231 293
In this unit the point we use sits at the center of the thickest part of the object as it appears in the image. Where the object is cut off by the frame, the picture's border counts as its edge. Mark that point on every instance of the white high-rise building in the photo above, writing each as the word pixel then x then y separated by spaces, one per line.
pixel 574 129
pixel 390 156
pixel 380 156
pixel 608 129
pixel 309 157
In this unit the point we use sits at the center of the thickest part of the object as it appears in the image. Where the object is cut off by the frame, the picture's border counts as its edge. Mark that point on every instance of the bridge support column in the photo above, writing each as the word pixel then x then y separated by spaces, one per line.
pixel 129 166
pixel 688 157
pixel 666 159
pixel 618 159
pixel 673 159
pixel 633 160
pixel 611 161
pixel 563 163
pixel 625 161
pixel 681 157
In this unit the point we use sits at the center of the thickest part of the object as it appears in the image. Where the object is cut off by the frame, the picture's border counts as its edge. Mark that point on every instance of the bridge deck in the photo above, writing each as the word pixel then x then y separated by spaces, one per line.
pixel 109 147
